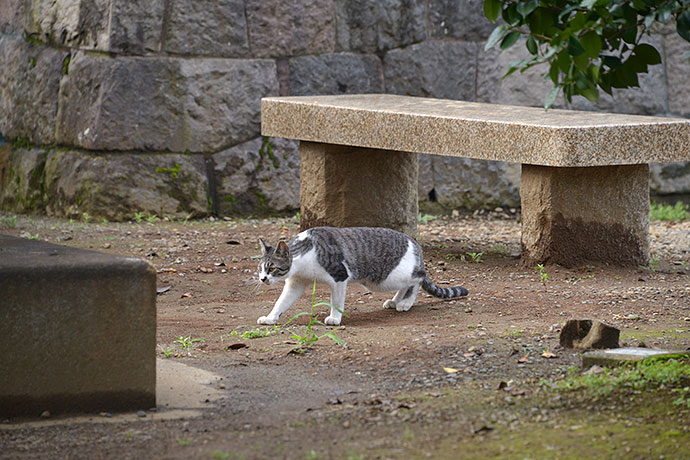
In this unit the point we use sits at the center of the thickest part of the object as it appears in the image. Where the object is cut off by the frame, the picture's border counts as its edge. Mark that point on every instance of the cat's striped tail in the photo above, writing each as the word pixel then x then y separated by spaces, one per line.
pixel 442 293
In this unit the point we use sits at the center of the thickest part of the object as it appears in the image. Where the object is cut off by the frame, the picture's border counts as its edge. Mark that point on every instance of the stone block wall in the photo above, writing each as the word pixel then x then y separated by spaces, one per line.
pixel 111 107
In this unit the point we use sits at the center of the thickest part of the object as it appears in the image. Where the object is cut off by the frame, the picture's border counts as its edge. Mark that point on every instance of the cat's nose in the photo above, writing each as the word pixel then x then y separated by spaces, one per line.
pixel 264 279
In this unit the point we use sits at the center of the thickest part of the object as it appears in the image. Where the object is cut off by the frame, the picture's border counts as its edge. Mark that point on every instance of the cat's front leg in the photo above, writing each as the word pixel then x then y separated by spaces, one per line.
pixel 292 291
pixel 338 291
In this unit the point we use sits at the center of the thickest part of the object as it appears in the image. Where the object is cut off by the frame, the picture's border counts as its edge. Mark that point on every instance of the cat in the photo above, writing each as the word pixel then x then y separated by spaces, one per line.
pixel 381 259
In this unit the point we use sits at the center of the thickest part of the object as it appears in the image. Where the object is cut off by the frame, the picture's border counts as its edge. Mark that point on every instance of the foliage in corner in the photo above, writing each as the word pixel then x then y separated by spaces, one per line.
pixel 588 45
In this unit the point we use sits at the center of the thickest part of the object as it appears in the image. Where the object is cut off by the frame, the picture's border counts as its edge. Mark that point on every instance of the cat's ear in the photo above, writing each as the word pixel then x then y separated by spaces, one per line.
pixel 264 247
pixel 283 250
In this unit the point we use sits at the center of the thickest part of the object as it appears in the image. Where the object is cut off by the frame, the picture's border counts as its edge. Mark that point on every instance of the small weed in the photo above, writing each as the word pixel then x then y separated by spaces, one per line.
pixel 29 236
pixel 542 274
pixel 188 342
pixel 183 442
pixel 514 333
pixel 662 211
pixel 8 221
pixel 138 217
pixel 174 171
pixel 259 333
pixel 475 257
pixel 220 455
pixel 424 219
pixel 310 335
pixel 167 352
pixel 152 218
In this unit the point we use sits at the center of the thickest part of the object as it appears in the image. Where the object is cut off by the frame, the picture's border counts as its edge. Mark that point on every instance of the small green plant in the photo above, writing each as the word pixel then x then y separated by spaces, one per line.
pixel 188 342
pixel 220 455
pixel 174 171
pixel 542 274
pixel 259 333
pixel 182 442
pixel 8 221
pixel 424 219
pixel 167 352
pixel 662 211
pixel 514 333
pixel 22 143
pixel 310 335
pixel 138 217
pixel 151 218
pixel 475 257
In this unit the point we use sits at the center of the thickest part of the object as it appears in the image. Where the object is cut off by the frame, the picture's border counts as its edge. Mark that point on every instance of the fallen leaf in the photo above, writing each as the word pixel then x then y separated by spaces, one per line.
pixel 237 346
pixel 450 370
pixel 547 354
pixel 162 290
pixel 185 295
pixel 524 359
pixel 469 354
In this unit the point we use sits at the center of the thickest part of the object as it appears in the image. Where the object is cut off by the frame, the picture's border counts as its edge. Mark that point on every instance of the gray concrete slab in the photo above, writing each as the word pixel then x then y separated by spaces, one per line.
pixel 81 330
pixel 614 357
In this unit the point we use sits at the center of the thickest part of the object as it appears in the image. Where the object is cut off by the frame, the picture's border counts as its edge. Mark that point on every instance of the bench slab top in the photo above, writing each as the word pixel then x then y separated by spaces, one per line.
pixel 529 135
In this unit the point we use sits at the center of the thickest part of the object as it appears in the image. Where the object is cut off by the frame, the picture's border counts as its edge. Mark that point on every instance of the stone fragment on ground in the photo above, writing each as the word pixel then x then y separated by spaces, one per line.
pixel 582 334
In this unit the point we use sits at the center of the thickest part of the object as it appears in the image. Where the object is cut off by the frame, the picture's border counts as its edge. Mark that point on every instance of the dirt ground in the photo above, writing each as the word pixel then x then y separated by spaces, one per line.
pixel 449 379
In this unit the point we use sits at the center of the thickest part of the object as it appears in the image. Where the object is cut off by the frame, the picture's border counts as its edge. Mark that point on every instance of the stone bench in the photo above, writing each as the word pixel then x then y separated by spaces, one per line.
pixel 79 330
pixel 585 175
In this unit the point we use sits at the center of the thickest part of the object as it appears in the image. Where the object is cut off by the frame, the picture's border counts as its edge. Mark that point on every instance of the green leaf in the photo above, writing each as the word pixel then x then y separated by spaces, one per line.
pixel 587 4
pixel 554 72
pixel 492 9
pixel 591 44
pixel 532 45
pixel 590 93
pixel 574 46
pixel 526 8
pixel 496 36
pixel 648 53
pixel 551 97
pixel 510 39
pixel 683 25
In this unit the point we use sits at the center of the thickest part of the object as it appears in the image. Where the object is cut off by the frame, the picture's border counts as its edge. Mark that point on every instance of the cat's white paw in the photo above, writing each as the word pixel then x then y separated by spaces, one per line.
pixel 403 307
pixel 389 304
pixel 332 321
pixel 265 320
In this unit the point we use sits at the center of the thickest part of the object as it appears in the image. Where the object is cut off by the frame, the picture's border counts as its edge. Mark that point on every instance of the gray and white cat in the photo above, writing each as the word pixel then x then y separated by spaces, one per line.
pixel 379 258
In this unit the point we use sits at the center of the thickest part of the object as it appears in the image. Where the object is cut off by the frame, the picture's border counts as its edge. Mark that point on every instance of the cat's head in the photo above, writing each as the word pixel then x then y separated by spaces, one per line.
pixel 275 262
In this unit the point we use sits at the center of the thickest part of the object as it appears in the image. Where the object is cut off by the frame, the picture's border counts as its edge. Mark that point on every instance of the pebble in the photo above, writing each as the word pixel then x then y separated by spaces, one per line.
pixel 141 413
pixel 45 414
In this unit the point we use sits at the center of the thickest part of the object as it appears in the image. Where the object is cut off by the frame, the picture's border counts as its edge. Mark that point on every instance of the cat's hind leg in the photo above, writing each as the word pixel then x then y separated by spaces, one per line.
pixel 338 291
pixel 292 291
pixel 403 299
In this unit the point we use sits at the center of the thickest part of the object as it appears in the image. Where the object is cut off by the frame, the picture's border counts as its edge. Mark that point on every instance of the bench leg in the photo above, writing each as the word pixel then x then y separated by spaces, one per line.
pixel 346 186
pixel 574 215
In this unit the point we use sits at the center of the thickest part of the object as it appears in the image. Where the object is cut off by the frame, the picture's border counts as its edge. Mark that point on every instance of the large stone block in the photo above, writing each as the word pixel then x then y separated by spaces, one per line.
pixel 574 215
pixel 463 182
pixel 115 186
pixel 107 25
pixel 290 28
pixel 223 100
pixel 29 82
pixel 207 28
pixel 336 73
pixel 677 71
pixel 463 20
pixel 169 104
pixel 82 327
pixel 22 187
pixel 670 178
pixel 527 88
pixel 12 17
pixel 346 186
pixel 379 25
pixel 441 69
pixel 258 176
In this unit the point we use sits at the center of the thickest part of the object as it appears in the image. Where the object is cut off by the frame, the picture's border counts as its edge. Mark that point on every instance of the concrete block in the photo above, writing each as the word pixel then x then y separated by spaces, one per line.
pixel 82 327
pixel 574 215
pixel 351 187
pixel 620 356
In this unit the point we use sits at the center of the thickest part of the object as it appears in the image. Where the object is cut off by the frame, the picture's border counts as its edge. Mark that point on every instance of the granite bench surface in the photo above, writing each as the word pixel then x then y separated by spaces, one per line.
pixel 477 130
